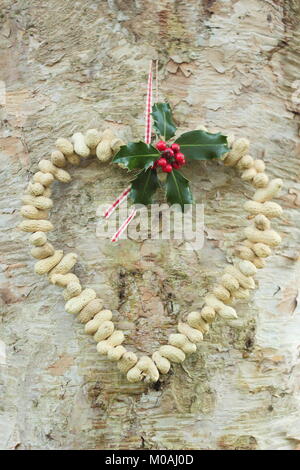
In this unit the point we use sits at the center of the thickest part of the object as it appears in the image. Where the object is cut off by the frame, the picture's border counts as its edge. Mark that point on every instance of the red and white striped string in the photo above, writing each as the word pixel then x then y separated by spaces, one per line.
pixel 117 202
pixel 148 129
pixel 123 227
pixel 148 107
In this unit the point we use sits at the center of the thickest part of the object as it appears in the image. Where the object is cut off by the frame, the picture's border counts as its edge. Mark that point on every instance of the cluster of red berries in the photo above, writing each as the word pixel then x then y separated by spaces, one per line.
pixel 170 158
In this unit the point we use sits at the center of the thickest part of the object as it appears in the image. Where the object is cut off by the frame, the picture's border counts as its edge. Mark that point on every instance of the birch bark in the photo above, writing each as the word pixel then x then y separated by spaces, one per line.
pixel 68 66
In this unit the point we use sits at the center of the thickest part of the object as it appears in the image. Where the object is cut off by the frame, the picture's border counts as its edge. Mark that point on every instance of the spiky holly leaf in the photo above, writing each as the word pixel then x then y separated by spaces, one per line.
pixel 178 189
pixel 144 186
pixel 163 120
pixel 201 145
pixel 136 155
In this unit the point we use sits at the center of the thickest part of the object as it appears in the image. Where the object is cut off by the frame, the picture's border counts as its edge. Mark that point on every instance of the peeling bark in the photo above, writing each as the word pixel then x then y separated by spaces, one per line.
pixel 232 66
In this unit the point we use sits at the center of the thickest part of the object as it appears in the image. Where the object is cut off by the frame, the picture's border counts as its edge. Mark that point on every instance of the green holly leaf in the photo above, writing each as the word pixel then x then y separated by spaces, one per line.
pixel 178 189
pixel 163 120
pixel 200 145
pixel 144 186
pixel 136 155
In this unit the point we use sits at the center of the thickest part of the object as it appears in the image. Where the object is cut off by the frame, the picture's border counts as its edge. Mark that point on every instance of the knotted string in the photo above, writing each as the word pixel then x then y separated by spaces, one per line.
pixel 148 129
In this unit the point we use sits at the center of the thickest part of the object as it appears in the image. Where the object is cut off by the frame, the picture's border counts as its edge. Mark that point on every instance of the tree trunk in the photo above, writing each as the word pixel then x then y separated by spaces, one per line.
pixel 65 67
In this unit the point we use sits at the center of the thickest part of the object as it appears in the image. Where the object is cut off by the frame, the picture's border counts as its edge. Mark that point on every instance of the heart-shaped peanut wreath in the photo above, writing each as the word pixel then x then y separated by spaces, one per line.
pixel 234 283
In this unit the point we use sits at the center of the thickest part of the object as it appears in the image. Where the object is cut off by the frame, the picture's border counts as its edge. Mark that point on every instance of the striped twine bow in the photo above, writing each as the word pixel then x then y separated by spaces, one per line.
pixel 117 202
pixel 148 129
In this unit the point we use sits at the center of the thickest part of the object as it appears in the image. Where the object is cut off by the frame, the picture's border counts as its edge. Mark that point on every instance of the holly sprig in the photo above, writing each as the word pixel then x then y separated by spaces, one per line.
pixel 169 157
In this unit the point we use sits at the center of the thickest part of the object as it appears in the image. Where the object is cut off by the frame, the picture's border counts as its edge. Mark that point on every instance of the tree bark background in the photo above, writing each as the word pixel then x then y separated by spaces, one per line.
pixel 69 66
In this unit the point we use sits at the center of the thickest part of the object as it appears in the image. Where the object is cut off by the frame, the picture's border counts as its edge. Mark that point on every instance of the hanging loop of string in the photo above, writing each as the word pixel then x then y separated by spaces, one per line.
pixel 148 133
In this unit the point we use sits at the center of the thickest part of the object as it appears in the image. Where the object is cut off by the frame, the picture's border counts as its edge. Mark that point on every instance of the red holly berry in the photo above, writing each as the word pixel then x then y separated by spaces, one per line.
pixel 161 162
pixel 179 158
pixel 161 145
pixel 168 168
pixel 175 147
pixel 168 153
pixel 176 166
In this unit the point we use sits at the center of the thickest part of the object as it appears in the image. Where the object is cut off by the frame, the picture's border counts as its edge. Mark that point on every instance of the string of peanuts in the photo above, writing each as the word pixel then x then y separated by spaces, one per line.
pixel 235 283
